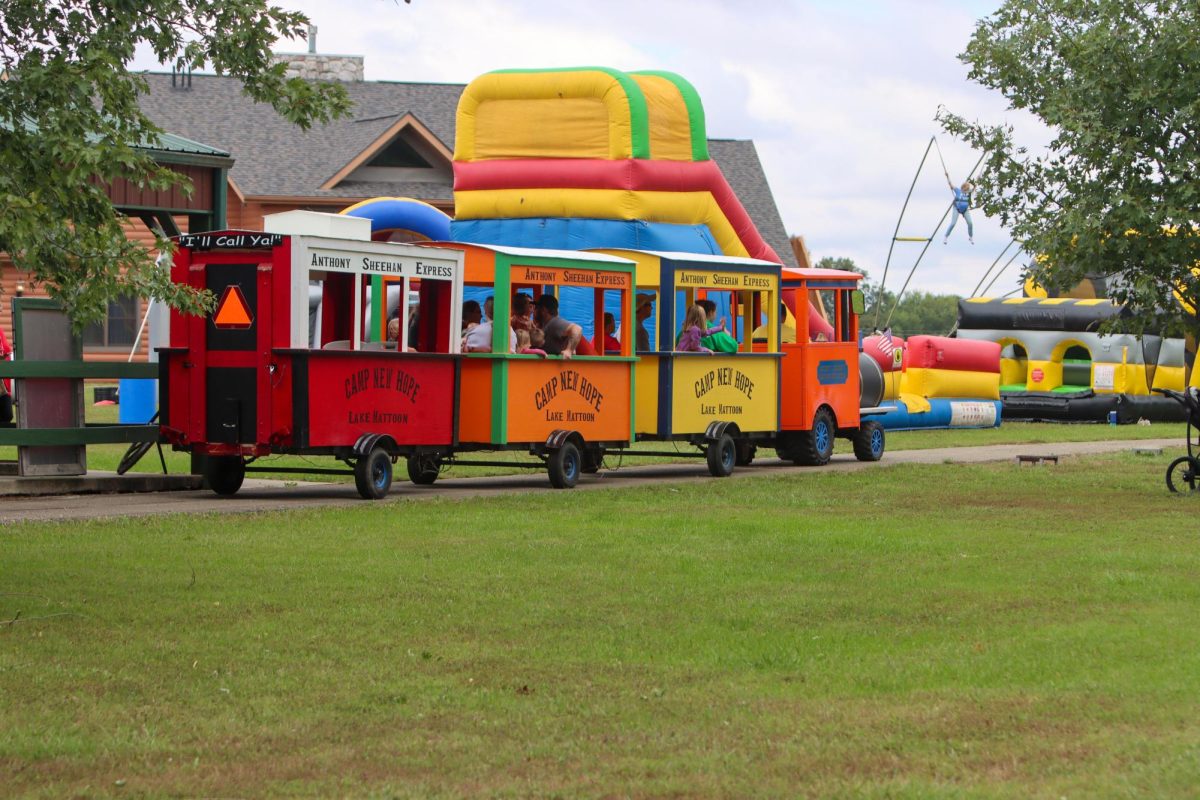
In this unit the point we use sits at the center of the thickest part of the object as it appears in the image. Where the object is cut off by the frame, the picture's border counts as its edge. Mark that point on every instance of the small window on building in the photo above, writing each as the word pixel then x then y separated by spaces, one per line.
pixel 398 153
pixel 118 328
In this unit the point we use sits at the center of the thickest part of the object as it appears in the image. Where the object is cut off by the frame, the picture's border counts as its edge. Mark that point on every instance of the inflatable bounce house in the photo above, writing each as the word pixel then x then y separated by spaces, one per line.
pixel 575 159
pixel 932 382
pixel 1055 366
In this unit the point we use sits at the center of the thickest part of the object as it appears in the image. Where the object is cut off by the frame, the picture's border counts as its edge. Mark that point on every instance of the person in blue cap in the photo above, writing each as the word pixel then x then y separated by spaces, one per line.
pixel 962 205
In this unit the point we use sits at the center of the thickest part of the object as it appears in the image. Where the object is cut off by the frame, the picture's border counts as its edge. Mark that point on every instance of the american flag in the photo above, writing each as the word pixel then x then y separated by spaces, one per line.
pixel 886 345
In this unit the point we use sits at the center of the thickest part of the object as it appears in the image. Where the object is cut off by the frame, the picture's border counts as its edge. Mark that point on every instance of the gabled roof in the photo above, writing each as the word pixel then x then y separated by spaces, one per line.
pixel 275 158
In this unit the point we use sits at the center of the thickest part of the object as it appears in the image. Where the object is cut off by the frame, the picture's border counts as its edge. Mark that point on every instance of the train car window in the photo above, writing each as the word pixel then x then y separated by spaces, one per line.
pixel 845 318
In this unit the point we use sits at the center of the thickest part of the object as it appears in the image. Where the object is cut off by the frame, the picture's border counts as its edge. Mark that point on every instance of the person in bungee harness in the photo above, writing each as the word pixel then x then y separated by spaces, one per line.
pixel 962 205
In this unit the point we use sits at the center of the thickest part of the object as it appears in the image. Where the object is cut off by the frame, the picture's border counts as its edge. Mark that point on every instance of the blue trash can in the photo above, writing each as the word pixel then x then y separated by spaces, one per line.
pixel 138 400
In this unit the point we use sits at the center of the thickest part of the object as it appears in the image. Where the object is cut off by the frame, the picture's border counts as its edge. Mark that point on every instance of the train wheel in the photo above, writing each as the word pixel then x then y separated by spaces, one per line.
pixel 722 456
pixel 1184 474
pixel 225 474
pixel 564 466
pixel 869 441
pixel 373 474
pixel 746 453
pixel 815 447
pixel 424 469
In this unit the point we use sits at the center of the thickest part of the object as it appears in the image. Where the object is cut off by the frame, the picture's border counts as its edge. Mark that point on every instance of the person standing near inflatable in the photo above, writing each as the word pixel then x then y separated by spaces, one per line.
pixel 962 205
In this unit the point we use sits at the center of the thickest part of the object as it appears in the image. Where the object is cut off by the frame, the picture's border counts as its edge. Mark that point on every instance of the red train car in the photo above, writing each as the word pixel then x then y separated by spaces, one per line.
pixel 263 374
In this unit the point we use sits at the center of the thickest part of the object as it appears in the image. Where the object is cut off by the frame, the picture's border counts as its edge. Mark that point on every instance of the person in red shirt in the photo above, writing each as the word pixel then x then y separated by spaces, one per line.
pixel 606 343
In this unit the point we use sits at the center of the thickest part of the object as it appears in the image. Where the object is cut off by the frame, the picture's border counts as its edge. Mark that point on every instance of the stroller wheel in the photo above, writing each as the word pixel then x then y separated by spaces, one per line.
pixel 1184 474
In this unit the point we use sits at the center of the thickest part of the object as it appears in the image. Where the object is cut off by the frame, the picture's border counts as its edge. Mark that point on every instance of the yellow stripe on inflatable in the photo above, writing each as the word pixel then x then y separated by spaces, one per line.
pixel 1050 373
pixel 560 114
pixel 891 385
pixel 915 403
pixel 1170 378
pixel 1012 371
pixel 951 383
pixel 670 125
pixel 681 208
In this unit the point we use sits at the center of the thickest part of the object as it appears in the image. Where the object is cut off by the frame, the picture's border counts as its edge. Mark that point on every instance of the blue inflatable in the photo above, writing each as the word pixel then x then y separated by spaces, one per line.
pixel 942 413
pixel 555 233
pixel 388 214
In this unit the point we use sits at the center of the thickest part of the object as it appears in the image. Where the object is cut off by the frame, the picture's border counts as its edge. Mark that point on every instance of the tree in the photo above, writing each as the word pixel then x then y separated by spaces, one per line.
pixel 1117 189
pixel 70 123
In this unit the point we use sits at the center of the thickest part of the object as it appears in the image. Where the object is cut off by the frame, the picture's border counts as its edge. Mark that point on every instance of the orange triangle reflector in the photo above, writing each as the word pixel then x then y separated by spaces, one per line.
pixel 233 311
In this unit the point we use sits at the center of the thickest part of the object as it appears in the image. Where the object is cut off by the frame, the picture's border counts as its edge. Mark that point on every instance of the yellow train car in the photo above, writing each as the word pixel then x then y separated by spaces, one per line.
pixel 725 402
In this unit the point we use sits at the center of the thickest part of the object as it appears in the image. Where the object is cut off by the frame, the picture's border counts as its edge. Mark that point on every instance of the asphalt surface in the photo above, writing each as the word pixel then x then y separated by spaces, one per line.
pixel 262 495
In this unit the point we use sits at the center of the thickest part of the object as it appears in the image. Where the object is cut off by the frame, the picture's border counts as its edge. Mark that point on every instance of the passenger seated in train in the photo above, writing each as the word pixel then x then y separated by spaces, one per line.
pixel 525 345
pixel 644 310
pixel 716 337
pixel 522 305
pixel 605 343
pixel 787 331
pixel 562 337
pixel 694 326
pixel 471 315
pixel 477 338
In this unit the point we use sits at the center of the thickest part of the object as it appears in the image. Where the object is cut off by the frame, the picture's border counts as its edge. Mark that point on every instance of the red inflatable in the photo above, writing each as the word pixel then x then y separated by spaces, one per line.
pixel 941 352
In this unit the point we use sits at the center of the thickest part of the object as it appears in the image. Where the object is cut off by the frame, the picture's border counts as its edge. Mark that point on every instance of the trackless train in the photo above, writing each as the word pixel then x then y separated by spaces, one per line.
pixel 265 373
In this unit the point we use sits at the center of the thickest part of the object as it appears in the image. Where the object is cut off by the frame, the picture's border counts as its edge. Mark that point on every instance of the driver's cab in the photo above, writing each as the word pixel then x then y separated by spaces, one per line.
pixel 820 367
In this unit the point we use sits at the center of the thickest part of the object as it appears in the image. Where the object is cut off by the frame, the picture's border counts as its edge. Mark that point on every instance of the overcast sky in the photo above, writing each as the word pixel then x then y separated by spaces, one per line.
pixel 838 97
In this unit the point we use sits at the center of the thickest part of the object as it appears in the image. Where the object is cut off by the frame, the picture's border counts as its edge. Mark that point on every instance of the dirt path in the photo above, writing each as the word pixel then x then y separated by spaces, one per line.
pixel 260 495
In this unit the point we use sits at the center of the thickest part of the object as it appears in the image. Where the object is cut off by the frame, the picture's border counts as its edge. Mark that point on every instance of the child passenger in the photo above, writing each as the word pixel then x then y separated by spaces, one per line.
pixel 525 345
pixel 695 325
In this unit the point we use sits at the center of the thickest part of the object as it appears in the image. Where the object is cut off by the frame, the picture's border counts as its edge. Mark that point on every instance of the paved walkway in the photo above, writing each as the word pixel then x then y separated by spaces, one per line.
pixel 262 495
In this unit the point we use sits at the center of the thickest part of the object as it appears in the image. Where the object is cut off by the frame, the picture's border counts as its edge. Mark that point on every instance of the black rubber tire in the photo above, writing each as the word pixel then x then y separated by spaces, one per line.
pixel 593 459
pixel 373 474
pixel 746 453
pixel 565 465
pixel 869 441
pixel 814 447
pixel 722 456
pixel 1188 477
pixel 424 469
pixel 6 407
pixel 225 474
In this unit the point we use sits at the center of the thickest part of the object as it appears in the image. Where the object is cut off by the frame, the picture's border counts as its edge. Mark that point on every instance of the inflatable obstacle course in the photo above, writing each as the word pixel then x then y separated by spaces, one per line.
pixel 1054 365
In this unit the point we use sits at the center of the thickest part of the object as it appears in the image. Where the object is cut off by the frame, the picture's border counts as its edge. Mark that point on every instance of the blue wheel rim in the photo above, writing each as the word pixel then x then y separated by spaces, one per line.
pixel 379 474
pixel 727 456
pixel 571 466
pixel 821 432
pixel 876 442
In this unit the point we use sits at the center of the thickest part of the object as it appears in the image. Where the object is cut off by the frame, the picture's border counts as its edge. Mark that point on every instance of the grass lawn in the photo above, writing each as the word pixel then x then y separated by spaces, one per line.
pixel 917 631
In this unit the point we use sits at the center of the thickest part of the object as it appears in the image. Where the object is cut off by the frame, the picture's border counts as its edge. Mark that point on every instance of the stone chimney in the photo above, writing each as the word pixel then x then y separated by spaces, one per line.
pixel 319 66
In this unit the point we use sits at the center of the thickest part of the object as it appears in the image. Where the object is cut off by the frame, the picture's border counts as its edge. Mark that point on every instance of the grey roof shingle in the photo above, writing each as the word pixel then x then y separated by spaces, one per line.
pixel 277 158
pixel 738 160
